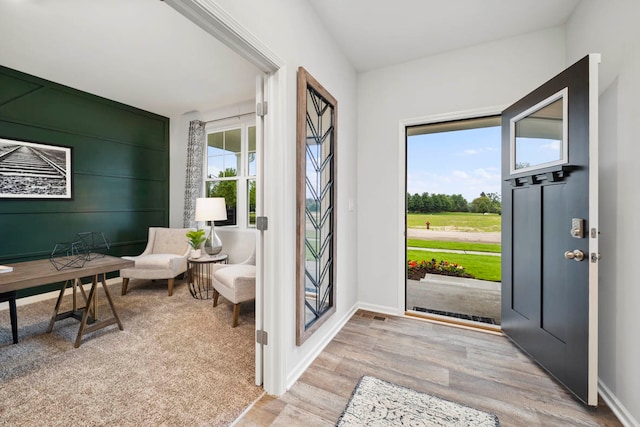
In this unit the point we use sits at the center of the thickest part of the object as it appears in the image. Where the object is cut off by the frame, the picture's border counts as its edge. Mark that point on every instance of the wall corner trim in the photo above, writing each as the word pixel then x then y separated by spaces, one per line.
pixel 616 406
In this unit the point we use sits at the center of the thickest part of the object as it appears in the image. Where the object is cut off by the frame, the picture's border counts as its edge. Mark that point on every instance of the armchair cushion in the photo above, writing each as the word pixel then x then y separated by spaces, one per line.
pixel 170 241
pixel 238 244
pixel 237 276
pixel 154 260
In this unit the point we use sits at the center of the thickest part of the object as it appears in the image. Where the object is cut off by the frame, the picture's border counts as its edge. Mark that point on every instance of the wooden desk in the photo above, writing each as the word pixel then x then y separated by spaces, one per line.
pixel 10 297
pixel 30 274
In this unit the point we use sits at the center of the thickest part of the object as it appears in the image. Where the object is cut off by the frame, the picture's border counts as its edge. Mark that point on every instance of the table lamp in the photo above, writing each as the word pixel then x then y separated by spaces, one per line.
pixel 211 209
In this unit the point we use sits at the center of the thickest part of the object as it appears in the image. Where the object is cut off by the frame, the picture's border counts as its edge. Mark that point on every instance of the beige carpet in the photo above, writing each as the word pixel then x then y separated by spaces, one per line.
pixel 178 362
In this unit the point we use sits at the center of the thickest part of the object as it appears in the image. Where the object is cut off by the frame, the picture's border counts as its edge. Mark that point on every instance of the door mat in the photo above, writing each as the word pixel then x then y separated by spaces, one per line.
pixel 376 402
pixel 482 319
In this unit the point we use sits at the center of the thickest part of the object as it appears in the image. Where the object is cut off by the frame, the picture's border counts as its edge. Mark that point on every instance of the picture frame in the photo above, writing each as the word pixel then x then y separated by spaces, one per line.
pixel 33 170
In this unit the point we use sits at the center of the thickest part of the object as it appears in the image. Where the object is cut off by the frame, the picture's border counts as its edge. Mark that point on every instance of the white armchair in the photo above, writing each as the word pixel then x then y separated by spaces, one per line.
pixel 236 282
pixel 165 257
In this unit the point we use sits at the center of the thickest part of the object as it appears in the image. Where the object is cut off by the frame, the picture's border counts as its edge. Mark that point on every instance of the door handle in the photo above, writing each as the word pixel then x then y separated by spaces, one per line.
pixel 576 255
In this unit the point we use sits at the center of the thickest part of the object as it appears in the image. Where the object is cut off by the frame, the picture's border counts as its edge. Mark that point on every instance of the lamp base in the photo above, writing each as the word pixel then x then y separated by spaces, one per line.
pixel 213 244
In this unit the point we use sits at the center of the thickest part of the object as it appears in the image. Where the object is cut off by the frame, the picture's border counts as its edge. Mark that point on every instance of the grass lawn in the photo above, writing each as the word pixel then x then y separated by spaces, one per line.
pixel 456 221
pixel 482 267
pixel 460 246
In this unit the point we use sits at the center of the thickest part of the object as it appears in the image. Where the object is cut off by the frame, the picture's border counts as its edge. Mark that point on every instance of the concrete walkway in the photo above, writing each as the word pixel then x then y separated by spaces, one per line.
pixel 456 295
pixel 454 251
pixel 453 236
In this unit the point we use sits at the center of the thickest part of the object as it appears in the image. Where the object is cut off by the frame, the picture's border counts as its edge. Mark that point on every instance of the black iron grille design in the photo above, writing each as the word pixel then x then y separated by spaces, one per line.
pixel 319 206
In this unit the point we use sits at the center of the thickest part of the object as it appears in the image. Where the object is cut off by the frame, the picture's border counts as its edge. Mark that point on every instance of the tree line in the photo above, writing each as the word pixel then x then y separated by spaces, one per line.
pixel 432 203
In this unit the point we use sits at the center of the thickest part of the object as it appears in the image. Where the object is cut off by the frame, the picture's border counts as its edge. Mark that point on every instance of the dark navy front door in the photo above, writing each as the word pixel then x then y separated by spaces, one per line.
pixel 550 231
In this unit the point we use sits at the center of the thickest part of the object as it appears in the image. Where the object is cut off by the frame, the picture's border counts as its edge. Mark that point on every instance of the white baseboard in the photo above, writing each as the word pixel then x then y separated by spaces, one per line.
pixel 315 351
pixel 391 311
pixel 616 406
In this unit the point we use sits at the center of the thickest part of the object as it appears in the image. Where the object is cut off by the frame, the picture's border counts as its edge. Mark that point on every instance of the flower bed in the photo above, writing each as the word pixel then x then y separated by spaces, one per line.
pixel 417 269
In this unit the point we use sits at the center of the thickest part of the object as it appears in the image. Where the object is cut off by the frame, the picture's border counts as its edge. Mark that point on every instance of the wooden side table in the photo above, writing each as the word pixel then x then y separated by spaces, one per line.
pixel 200 284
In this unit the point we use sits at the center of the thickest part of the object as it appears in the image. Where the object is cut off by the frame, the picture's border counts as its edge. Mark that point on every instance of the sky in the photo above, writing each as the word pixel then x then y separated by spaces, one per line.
pixel 463 162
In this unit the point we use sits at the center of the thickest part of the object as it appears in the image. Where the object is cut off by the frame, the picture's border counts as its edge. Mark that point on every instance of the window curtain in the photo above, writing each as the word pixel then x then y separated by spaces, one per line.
pixel 193 184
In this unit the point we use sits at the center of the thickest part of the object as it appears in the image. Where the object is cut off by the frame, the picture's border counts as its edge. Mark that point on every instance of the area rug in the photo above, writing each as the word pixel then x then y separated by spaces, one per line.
pixel 375 402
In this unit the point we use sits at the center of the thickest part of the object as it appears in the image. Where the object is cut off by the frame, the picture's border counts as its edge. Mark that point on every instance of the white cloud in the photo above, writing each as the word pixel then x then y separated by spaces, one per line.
pixel 475 151
pixel 485 175
pixel 461 175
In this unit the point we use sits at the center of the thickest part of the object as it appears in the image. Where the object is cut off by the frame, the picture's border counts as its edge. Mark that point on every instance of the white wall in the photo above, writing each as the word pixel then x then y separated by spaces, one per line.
pixel 488 75
pixel 611 28
pixel 290 29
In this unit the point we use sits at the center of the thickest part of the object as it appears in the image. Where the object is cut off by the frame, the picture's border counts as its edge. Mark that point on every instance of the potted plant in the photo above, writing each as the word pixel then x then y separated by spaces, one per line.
pixel 195 239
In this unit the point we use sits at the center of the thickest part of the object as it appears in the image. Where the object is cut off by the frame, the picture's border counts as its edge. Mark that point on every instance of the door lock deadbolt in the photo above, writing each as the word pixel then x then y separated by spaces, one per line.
pixel 576 255
pixel 577 228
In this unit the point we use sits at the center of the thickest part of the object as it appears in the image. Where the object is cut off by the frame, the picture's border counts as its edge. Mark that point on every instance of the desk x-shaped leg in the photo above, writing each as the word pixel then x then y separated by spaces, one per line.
pixel 82 313
pixel 77 284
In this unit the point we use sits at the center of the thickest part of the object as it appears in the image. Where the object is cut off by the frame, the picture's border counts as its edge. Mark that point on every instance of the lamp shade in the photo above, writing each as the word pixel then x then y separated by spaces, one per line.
pixel 211 209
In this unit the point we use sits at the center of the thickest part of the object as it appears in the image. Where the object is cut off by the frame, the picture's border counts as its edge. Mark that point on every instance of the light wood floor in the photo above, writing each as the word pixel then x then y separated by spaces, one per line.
pixel 477 369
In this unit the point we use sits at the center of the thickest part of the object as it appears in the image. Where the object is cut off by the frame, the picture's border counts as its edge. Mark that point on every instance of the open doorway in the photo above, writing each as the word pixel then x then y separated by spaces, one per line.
pixel 453 221
pixel 269 176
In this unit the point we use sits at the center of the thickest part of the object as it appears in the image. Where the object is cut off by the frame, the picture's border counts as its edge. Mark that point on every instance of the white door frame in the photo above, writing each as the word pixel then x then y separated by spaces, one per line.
pixel 260 136
pixel 594 219
pixel 269 301
pixel 402 189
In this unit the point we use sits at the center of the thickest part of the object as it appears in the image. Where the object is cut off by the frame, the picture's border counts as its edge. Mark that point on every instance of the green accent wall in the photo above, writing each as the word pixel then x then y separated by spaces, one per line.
pixel 120 169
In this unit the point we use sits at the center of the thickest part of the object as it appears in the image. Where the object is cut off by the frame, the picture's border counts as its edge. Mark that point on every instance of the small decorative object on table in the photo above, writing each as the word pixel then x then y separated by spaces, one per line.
pixel 195 239
pixel 96 242
pixel 86 246
pixel 66 255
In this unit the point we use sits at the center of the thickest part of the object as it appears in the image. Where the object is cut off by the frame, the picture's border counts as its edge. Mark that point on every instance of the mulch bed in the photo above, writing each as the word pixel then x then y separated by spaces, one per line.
pixel 417 273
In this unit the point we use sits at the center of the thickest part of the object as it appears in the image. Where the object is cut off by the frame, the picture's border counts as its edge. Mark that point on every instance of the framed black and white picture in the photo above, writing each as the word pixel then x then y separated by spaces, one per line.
pixel 31 170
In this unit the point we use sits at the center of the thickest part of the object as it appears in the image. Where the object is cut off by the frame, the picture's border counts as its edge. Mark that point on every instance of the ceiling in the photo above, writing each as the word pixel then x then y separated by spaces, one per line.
pixel 171 66
pixel 139 52
pixel 376 34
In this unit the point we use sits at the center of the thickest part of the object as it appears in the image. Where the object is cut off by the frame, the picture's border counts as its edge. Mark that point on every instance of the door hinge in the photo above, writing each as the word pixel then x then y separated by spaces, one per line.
pixel 262 223
pixel 262 337
pixel 262 108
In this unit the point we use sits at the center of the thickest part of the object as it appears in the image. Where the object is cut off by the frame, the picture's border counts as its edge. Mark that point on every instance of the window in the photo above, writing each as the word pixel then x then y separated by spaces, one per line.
pixel 230 166
pixel 538 136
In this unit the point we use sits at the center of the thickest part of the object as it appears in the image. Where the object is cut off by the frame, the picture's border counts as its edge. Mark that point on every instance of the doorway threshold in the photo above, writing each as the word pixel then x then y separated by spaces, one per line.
pixel 481 319
pixel 455 322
